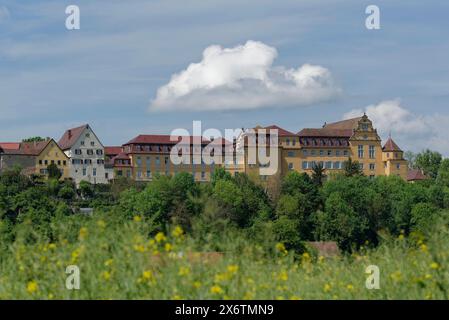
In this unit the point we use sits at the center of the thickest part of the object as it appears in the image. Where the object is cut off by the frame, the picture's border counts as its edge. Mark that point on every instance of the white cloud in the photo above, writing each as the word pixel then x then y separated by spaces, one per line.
pixel 243 77
pixel 413 131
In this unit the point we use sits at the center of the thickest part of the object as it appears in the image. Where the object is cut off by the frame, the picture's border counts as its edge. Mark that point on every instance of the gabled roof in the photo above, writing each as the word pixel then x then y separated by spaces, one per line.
pixel 325 132
pixel 112 150
pixel 121 156
pixel 391 146
pixel 10 145
pixel 416 175
pixel 34 148
pixel 161 139
pixel 69 137
pixel 281 132
pixel 347 124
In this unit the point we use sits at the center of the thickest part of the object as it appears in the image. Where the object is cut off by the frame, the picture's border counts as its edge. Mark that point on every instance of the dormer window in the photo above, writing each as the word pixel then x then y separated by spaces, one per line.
pixel 365 126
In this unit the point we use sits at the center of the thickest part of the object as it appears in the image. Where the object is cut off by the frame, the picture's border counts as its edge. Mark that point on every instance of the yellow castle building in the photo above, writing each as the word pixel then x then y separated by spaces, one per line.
pixel 331 146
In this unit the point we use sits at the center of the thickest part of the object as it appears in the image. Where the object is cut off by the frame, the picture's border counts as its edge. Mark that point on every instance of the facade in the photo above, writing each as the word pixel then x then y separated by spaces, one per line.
pixel 86 154
pixel 34 157
pixel 109 154
pixel 148 155
pixel 331 146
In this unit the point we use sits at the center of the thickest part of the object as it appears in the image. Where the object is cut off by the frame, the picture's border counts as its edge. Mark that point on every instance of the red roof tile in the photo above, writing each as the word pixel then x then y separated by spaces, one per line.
pixel 347 124
pixel 70 136
pixel 112 150
pixel 10 145
pixel 281 132
pixel 325 132
pixel 160 139
pixel 390 146
pixel 416 175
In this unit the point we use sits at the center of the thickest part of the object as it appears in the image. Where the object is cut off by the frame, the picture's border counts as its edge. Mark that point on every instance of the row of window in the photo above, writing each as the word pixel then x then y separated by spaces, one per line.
pixel 89 152
pixel 86 161
pixel 45 171
pixel 58 162
pixel 321 153
pixel 92 143
pixel 157 161
pixel 148 174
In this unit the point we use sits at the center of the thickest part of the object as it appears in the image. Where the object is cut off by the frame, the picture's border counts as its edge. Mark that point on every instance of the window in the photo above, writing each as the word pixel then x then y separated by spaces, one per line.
pixel 372 154
pixel 294 142
pixel 99 152
pixel 337 165
pixel 120 173
pixel 313 152
pixel 40 161
pixel 64 163
pixel 365 126
pixel 398 166
pixel 305 153
pixel 106 175
pixel 46 162
pixel 52 161
pixel 166 161
pixel 329 153
pixel 361 166
pixel 291 154
pixel 78 151
pixel 372 166
pixel 203 175
pixel 290 166
pixel 321 153
pixel 94 172
pixel 329 165
pixel 361 151
pixel 148 174
pixel 305 165
pixel 59 162
pixel 92 143
pixel 84 171
pixel 158 161
pixel 345 153
pixel 87 135
pixel 139 174
pixel 82 143
pixel 337 153
pixel 139 162
pixel 288 142
pixel 90 152
pixel 388 155
pixel 128 173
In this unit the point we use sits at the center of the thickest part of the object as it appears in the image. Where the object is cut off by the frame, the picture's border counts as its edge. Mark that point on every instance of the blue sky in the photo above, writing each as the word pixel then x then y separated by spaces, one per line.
pixel 109 72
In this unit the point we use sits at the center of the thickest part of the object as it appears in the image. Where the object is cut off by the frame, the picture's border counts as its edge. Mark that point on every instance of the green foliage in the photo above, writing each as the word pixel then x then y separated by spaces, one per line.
pixel 86 190
pixel 318 175
pixel 352 168
pixel 429 162
pixel 53 171
pixel 35 139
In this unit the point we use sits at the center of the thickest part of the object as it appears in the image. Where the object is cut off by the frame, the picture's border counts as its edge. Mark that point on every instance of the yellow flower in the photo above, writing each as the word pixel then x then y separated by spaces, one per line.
pixel 184 271
pixel 320 259
pixel 83 233
pixel 327 287
pixel 423 248
pixel 233 268
pixel 176 297
pixel 177 232
pixel 401 237
pixel 108 262
pixel 428 276
pixel 147 275
pixel 306 256
pixel 197 284
pixel 106 275
pixel 434 266
pixel 76 253
pixel 139 248
pixel 160 237
pixel 216 289
pixel 281 248
pixel 283 276
pixel 350 287
pixel 52 246
pixel 295 298
pixel 168 247
pixel 101 223
pixel 396 276
pixel 32 287
pixel 137 218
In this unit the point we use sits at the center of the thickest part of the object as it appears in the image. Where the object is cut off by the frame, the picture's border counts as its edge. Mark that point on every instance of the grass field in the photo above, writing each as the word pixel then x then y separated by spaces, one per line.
pixel 118 261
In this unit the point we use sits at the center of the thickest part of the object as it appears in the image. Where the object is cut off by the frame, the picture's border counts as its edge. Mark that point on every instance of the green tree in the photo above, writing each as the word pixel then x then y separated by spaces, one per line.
pixel 34 139
pixel 318 175
pixel 352 168
pixel 53 171
pixel 429 162
pixel 85 189
pixel 443 173
pixel 411 159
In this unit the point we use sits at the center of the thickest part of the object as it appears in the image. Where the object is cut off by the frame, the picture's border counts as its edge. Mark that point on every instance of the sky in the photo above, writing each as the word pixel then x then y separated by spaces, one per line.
pixel 149 67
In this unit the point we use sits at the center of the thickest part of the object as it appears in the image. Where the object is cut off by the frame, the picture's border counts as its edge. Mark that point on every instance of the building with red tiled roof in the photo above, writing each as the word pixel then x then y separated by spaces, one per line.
pixel 415 175
pixel 86 153
pixel 34 157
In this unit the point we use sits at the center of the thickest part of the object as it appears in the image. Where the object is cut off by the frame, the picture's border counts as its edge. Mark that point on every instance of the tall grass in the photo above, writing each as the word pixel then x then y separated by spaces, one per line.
pixel 120 260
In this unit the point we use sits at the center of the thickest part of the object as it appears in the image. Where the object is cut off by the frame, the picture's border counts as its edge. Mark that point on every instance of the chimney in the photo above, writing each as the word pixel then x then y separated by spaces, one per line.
pixel 70 134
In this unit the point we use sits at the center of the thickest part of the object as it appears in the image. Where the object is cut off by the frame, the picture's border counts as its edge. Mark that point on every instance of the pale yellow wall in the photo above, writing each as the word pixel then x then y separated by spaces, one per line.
pixel 52 152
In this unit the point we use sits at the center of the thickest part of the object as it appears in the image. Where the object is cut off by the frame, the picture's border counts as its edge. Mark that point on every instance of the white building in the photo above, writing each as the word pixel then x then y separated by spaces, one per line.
pixel 86 154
